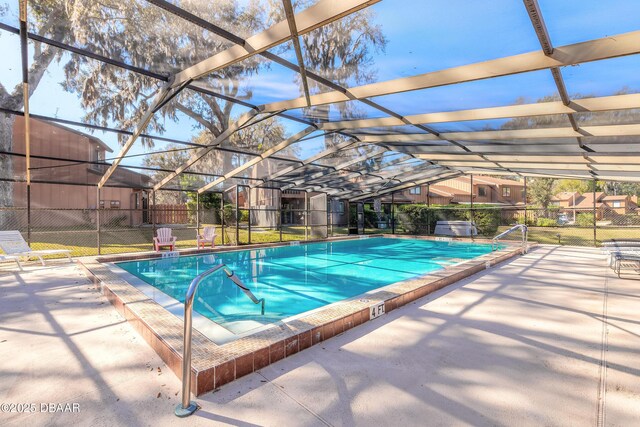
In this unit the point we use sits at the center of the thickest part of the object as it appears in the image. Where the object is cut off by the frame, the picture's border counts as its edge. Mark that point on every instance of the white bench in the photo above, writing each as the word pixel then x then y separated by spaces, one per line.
pixel 456 228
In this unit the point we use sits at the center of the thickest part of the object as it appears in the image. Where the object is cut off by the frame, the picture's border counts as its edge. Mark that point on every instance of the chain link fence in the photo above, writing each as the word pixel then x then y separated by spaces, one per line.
pixel 126 220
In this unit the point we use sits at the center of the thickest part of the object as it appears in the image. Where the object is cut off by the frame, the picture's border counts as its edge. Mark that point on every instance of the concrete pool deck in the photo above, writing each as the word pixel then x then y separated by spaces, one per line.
pixel 549 338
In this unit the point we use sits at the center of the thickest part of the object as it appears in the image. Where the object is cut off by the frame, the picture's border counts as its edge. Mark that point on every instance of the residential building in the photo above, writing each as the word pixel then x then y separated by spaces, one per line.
pixel 486 190
pixel 605 205
pixel 64 181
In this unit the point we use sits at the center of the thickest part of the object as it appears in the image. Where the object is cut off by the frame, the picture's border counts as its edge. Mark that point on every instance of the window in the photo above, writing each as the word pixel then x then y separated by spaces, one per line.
pixel 414 190
pixel 97 156
pixel 617 204
pixel 115 204
pixel 506 191
pixel 339 207
pixel 482 192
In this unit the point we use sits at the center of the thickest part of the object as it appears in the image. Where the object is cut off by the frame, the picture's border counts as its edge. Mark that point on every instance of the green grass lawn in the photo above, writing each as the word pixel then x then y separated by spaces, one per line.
pixel 576 236
pixel 113 241
pixel 85 242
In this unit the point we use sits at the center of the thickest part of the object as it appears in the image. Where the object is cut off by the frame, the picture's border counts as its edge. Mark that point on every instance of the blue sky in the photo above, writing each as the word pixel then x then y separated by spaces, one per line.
pixel 423 36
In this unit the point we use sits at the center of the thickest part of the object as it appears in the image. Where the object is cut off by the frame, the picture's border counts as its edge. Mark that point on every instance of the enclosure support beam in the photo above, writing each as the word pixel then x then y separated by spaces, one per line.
pixel 203 151
pixel 307 161
pixel 566 132
pixel 338 168
pixel 164 93
pixel 24 53
pixel 533 9
pixel 406 178
pixel 307 20
pixel 431 179
pixel 273 150
pixel 385 173
pixel 295 38
pixel 596 104
pixel 401 177
pixel 593 50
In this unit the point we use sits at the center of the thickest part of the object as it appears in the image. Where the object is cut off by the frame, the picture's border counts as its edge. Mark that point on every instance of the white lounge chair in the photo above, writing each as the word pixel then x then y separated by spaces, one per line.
pixel 164 238
pixel 207 237
pixel 15 247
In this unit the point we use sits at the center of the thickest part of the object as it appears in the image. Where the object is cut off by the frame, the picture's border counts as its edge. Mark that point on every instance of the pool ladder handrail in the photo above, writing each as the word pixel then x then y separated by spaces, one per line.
pixel 187 406
pixel 525 242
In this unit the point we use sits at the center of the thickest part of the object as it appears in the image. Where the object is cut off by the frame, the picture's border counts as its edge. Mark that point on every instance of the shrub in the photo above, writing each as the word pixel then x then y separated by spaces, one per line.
pixel 415 219
pixel 584 219
pixel 546 222
pixel 420 219
pixel 230 215
pixel 628 219
pixel 487 220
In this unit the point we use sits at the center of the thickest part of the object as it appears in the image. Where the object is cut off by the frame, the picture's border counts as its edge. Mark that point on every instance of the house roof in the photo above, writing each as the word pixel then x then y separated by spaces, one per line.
pixel 586 200
pixel 620 197
pixel 489 180
pixel 444 191
pixel 77 132
pixel 565 195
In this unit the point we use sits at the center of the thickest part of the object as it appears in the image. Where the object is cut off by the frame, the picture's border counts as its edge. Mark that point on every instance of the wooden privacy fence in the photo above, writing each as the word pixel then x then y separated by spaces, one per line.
pixel 170 214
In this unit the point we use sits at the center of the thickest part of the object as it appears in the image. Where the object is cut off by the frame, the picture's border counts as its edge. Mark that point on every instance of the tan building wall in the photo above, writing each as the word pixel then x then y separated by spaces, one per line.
pixel 56 141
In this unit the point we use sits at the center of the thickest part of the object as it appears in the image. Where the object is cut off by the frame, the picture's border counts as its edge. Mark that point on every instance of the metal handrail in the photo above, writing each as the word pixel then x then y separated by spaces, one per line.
pixel 187 406
pixel 522 227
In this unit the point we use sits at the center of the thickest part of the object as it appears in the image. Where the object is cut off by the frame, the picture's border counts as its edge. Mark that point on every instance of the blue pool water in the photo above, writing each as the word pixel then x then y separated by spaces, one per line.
pixel 296 279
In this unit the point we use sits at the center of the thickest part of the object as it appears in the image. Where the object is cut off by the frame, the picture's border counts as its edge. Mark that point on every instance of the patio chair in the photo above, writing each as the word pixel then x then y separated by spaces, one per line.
pixel 625 259
pixel 15 247
pixel 208 236
pixel 163 239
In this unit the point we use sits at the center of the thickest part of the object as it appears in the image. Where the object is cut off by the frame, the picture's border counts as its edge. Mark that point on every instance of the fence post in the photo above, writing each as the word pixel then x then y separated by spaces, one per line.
pixel 329 217
pixel 237 218
pixel 471 216
pixel 28 213
pixel 428 211
pixel 249 210
pixel 280 212
pixel 306 215
pixel 222 216
pixel 595 242
pixel 153 211
pixel 98 219
pixel 197 212
pixel 25 96
pixel 525 200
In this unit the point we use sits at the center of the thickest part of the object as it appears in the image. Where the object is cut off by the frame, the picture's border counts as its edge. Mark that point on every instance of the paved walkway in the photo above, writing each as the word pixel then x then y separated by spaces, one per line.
pixel 521 344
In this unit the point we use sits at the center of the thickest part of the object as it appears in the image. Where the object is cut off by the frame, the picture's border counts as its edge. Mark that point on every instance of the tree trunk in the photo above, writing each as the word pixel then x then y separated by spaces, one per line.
pixel 7 217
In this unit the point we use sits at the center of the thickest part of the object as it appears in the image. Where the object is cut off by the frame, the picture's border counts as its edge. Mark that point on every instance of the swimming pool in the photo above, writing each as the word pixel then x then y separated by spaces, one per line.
pixel 296 279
